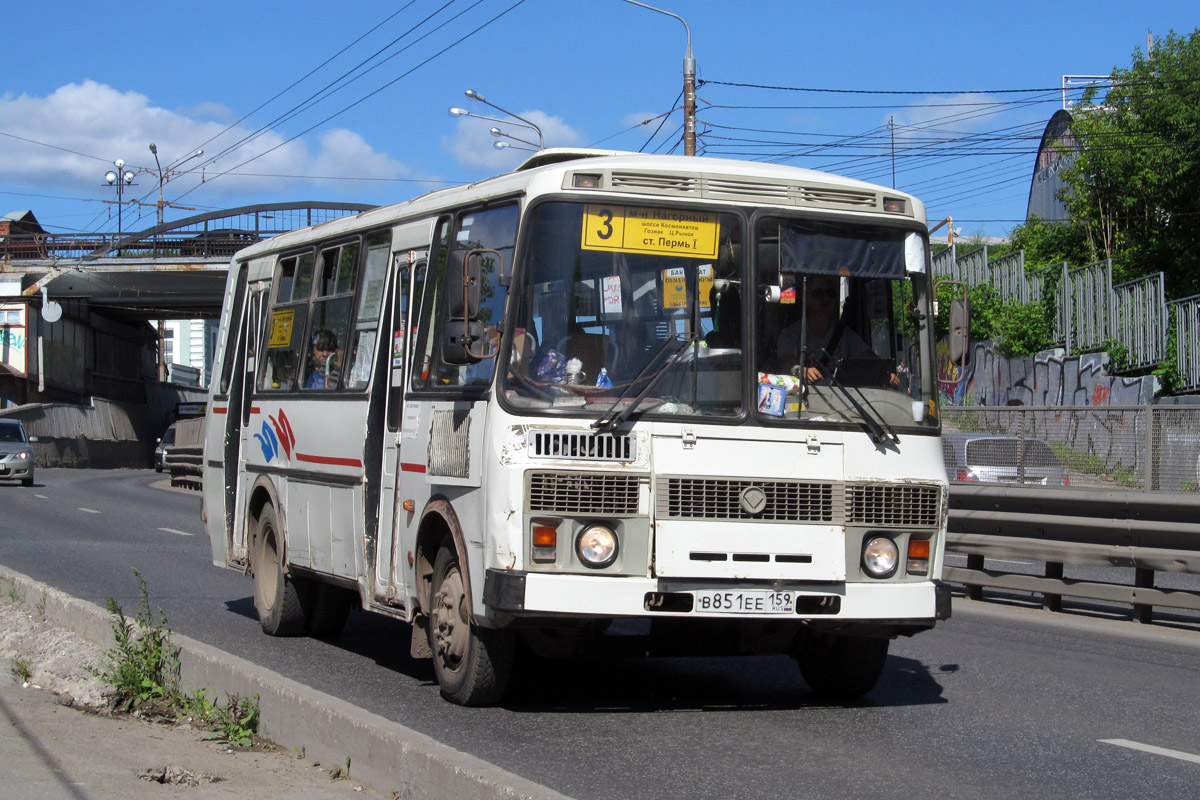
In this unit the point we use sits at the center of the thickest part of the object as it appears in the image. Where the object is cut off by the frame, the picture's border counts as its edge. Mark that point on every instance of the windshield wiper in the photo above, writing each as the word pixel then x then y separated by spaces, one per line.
pixel 614 418
pixel 881 432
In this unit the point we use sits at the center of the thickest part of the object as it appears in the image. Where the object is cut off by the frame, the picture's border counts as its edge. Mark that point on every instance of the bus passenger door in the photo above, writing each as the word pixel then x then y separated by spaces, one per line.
pixel 239 431
pixel 393 518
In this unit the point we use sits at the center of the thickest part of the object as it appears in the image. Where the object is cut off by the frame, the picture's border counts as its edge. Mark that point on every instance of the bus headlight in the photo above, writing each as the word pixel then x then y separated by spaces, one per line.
pixel 880 557
pixel 596 546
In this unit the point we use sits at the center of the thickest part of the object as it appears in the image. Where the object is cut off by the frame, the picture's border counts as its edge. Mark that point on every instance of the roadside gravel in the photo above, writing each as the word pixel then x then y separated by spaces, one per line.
pixel 58 738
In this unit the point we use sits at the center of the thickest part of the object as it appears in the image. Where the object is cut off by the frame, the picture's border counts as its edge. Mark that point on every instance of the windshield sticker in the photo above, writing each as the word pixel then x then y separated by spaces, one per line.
pixel 674 288
pixel 660 231
pixel 706 285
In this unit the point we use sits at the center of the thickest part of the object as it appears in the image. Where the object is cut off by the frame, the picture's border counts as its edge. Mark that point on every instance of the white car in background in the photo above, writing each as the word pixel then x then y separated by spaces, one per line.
pixel 992 458
pixel 16 452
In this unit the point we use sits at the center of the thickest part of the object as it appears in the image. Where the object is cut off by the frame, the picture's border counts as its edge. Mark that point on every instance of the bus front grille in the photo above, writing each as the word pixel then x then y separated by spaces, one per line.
pixel 891 505
pixel 583 493
pixel 764 501
pixel 868 504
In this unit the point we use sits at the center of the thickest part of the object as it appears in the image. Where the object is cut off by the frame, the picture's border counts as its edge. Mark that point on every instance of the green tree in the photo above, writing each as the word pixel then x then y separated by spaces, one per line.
pixel 1135 184
pixel 1051 243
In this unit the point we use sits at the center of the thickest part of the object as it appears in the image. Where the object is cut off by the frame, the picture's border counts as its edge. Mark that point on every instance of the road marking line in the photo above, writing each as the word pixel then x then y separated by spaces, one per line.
pixel 89 510
pixel 1149 748
pixel 43 496
pixel 181 533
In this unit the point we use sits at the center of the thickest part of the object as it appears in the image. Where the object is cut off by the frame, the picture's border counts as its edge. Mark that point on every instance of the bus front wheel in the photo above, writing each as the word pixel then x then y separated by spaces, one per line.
pixel 276 595
pixel 472 664
pixel 841 665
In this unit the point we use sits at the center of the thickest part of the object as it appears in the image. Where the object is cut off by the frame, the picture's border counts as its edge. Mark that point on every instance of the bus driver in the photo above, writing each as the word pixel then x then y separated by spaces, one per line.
pixel 829 340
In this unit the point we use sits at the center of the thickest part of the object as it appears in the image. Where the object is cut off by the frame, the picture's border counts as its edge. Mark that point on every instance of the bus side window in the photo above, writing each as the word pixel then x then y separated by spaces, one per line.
pixel 492 229
pixel 286 324
pixel 329 332
pixel 370 304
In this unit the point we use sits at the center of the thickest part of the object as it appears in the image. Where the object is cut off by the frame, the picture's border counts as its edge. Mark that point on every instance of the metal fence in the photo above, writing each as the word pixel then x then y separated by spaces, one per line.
pixel 1091 313
pixel 1120 448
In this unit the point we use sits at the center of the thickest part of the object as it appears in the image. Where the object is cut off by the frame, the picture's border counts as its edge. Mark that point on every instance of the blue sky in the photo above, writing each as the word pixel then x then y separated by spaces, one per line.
pixel 276 96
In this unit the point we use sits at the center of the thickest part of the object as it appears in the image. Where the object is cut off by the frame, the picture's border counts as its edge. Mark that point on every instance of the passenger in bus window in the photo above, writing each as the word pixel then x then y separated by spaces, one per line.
pixel 322 366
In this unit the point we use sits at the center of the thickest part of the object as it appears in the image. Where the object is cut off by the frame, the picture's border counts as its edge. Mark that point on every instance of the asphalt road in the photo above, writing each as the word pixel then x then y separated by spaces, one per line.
pixel 998 702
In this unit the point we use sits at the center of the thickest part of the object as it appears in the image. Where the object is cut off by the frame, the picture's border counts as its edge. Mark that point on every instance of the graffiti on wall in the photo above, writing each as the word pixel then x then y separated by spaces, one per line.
pixel 1042 380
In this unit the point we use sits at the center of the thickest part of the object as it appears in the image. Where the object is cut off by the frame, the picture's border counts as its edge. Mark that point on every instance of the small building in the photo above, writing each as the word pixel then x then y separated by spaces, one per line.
pixel 21 236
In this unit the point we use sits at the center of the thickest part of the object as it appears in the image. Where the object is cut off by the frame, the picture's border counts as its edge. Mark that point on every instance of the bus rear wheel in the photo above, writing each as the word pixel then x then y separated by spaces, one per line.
pixel 276 595
pixel 841 665
pixel 472 664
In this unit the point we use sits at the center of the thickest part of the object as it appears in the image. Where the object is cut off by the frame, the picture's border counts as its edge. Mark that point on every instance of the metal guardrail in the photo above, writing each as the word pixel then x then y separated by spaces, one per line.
pixel 1072 527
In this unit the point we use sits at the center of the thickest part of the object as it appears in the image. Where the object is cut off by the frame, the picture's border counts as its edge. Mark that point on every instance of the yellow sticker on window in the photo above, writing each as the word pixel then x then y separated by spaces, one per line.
pixel 674 288
pixel 281 328
pixel 659 231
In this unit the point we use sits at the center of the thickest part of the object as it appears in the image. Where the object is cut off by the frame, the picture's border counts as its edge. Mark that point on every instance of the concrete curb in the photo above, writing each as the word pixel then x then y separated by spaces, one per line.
pixel 383 753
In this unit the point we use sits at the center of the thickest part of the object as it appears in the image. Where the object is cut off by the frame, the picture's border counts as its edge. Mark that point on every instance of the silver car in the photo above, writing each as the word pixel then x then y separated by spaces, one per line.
pixel 16 452
pixel 992 458
pixel 160 448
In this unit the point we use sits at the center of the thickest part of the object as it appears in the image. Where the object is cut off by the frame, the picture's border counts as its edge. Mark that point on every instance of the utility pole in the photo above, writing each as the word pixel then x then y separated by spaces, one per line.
pixel 689 83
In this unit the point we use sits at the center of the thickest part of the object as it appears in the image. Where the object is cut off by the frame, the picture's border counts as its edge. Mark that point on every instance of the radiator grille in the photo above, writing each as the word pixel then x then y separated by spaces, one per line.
pixel 583 493
pixel 581 445
pixel 892 506
pixel 449 444
pixel 721 498
pixel 878 505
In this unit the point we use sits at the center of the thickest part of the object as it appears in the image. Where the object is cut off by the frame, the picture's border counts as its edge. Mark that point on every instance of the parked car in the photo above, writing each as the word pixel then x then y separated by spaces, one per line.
pixel 16 452
pixel 992 458
pixel 160 449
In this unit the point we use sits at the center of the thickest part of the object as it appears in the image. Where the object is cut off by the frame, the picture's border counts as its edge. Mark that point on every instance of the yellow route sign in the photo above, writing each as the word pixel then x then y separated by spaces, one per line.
pixel 281 328
pixel 660 231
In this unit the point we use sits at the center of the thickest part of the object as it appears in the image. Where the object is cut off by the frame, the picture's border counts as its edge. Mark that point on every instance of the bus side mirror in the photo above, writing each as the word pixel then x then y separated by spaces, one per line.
pixel 960 330
pixel 463 340
pixel 471 264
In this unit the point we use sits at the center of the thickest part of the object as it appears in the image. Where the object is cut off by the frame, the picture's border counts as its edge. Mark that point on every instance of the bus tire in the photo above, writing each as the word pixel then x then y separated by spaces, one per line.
pixel 472 664
pixel 328 609
pixel 276 595
pixel 842 665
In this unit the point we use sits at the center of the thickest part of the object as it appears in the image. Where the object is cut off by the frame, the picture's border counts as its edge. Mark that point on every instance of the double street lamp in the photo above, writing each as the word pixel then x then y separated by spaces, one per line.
pixel 119 178
pixel 497 132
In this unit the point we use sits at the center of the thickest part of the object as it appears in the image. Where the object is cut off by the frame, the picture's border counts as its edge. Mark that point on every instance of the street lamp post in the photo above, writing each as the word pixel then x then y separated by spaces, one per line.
pixel 163 177
pixel 473 95
pixel 120 178
pixel 689 83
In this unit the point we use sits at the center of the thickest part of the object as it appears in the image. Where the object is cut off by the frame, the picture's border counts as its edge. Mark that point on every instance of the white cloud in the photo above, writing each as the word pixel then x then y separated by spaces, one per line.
pixel 473 145
pixel 65 142
pixel 946 114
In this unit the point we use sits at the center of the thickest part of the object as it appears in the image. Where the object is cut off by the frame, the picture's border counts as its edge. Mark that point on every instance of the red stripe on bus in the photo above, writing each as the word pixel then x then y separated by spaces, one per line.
pixel 412 467
pixel 337 462
pixel 217 410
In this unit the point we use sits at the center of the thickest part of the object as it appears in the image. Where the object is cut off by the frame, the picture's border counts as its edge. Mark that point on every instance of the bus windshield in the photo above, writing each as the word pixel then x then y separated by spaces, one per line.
pixel 624 310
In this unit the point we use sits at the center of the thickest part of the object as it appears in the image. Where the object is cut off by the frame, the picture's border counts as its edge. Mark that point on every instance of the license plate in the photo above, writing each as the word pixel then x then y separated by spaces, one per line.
pixel 744 602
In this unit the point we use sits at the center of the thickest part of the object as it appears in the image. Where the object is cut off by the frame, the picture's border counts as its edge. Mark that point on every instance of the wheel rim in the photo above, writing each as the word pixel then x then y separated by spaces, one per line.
pixel 270 560
pixel 452 627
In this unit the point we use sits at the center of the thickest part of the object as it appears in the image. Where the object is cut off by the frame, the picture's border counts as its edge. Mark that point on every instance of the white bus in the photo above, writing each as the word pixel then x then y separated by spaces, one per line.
pixel 607 397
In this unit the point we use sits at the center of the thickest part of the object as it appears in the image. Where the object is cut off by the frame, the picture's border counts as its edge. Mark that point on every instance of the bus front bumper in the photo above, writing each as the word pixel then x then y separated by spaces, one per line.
pixel 534 594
